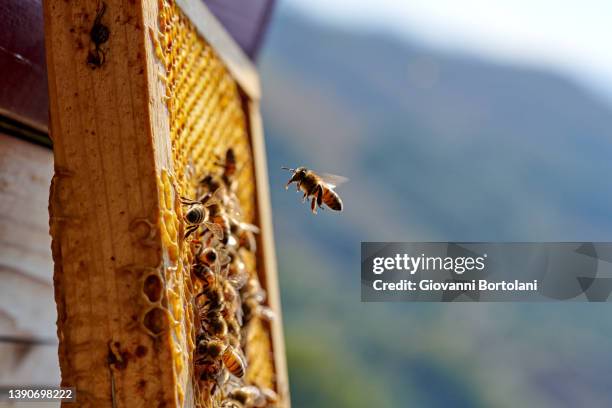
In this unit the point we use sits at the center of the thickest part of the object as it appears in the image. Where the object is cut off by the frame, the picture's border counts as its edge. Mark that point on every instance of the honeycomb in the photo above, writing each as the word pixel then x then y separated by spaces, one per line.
pixel 206 117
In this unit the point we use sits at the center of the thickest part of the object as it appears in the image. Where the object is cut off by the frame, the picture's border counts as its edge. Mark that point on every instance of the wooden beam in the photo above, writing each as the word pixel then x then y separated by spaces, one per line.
pixel 235 59
pixel 268 254
pixel 110 137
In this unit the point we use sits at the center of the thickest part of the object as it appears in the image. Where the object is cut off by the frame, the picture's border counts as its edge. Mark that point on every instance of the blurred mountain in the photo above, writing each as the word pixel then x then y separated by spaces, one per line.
pixel 437 146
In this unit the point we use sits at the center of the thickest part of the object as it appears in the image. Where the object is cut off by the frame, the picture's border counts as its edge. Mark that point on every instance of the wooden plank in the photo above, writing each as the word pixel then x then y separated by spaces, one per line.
pixel 27 309
pixel 269 274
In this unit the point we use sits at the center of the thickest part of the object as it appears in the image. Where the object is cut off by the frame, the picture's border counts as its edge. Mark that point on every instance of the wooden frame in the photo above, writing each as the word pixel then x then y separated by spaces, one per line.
pixel 110 127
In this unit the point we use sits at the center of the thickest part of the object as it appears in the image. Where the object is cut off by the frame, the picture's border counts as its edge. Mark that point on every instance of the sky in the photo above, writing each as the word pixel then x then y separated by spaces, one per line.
pixel 571 36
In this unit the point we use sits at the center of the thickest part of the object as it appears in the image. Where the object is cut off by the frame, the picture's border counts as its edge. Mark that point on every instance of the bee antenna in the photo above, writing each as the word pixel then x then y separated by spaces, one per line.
pixel 287 168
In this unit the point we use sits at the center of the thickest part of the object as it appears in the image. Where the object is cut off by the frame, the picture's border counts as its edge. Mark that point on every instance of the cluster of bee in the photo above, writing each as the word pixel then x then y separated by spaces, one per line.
pixel 230 295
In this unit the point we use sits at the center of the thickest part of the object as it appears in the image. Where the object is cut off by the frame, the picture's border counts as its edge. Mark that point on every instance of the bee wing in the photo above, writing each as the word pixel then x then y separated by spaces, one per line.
pixel 250 227
pixel 266 313
pixel 224 258
pixel 239 280
pixel 333 180
pixel 215 229
pixel 215 198
pixel 233 207
pixel 225 271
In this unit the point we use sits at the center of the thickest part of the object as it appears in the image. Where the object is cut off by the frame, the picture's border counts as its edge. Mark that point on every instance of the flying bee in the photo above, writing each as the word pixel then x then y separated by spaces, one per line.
pixel 234 361
pixel 315 186
pixel 197 214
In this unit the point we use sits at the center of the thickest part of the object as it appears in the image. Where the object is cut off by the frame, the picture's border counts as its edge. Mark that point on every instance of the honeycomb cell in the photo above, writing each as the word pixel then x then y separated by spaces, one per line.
pixel 153 288
pixel 155 321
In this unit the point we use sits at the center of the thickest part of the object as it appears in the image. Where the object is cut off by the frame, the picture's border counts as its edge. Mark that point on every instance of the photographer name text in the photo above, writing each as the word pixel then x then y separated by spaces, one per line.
pixel 456 265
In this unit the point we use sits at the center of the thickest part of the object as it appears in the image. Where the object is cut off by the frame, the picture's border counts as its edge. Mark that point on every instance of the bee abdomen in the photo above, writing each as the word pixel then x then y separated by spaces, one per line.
pixel 234 362
pixel 332 200
pixel 195 215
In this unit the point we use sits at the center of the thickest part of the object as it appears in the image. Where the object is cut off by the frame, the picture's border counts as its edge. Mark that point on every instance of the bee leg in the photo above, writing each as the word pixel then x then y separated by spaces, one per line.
pixel 190 230
pixel 187 201
pixel 305 197
pixel 291 180
pixel 313 205
pixel 319 195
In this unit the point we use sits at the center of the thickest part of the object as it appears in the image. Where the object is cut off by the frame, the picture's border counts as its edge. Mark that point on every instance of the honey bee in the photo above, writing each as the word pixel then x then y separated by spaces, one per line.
pixel 253 290
pixel 209 361
pixel 215 324
pixel 229 403
pixel 234 334
pixel 270 395
pixel 213 258
pixel 234 362
pixel 253 297
pixel 208 350
pixel 244 235
pixel 198 215
pixel 210 183
pixel 265 313
pixel 229 169
pixel 204 274
pixel 211 311
pixel 251 396
pixel 230 294
pixel 237 271
pixel 223 221
pixel 315 186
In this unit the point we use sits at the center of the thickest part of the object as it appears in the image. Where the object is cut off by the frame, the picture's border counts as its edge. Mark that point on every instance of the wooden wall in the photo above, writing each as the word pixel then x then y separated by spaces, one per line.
pixel 28 344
